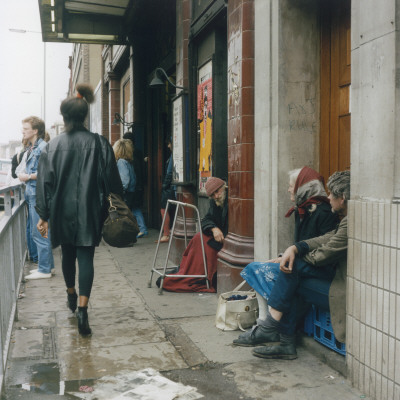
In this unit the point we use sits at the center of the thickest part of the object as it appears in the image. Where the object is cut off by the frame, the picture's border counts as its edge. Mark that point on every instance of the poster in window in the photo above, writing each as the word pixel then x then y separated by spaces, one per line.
pixel 178 140
pixel 204 123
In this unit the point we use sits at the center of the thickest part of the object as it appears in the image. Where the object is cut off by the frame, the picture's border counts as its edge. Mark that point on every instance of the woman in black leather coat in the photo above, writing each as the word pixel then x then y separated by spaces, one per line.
pixel 70 195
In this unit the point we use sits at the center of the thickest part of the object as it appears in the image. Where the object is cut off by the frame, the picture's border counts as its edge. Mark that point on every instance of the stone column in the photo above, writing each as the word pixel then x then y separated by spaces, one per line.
pixel 373 285
pixel 239 244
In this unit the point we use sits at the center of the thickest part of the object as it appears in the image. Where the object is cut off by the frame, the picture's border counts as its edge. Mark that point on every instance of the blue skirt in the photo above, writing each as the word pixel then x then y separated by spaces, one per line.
pixel 261 277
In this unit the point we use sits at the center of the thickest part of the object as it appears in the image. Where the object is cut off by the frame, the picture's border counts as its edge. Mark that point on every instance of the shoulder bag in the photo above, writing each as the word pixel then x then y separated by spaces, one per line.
pixel 120 227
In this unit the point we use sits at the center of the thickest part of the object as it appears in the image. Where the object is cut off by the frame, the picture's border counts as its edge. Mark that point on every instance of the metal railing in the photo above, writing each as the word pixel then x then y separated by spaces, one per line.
pixel 12 258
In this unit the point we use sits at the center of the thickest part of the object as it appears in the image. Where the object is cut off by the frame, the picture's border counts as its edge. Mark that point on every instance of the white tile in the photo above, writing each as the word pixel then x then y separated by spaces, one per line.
pixel 398 270
pixel 361 340
pixel 386 310
pixel 363 262
pixel 386 268
pixel 379 350
pixel 392 314
pixel 398 226
pixel 374 299
pixel 388 225
pixel 378 387
pixel 384 394
pixel 373 354
pixel 350 215
pixel 392 358
pixel 364 221
pixel 374 266
pixel 379 310
pixel 390 390
pixel 362 302
pixel 368 302
pixel 367 373
pixel 372 383
pixel 361 377
pixel 350 258
pixel 393 269
pixel 375 222
pixel 350 296
pixel 385 355
pixel 356 343
pixel 398 318
pixel 357 300
pixel 368 265
pixel 356 372
pixel 394 225
pixel 357 259
pixel 380 266
pixel 396 391
pixel 397 365
pixel 349 336
pixel 367 358
pixel 358 220
pixel 381 223
pixel 369 222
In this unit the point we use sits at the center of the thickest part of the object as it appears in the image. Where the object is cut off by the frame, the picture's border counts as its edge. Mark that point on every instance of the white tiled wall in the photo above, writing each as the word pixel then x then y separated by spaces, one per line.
pixel 373 298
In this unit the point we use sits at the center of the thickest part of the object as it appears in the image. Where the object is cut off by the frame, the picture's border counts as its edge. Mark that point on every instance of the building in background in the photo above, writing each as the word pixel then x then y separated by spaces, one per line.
pixel 267 86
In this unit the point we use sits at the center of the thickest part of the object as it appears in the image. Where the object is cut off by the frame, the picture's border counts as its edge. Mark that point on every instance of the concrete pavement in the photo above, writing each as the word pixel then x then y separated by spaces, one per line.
pixel 140 338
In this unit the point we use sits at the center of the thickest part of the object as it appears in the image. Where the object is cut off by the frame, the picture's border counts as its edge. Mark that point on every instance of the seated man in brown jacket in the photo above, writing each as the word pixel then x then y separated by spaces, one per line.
pixel 316 270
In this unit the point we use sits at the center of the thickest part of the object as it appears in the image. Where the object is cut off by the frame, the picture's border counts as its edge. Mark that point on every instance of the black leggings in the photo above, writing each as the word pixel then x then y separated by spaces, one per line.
pixel 86 271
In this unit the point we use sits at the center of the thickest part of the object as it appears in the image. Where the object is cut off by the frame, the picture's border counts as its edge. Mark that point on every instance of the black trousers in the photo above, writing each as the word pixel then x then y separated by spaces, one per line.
pixel 86 271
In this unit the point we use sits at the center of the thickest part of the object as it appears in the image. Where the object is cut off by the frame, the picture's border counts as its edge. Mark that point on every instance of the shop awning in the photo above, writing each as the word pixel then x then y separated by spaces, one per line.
pixel 85 21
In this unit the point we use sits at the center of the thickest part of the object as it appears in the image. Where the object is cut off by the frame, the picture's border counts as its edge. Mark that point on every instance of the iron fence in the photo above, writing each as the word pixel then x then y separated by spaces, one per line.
pixel 12 258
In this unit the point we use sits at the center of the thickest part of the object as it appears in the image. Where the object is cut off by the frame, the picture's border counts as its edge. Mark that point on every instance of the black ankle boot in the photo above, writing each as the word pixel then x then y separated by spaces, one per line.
pixel 72 301
pixel 83 322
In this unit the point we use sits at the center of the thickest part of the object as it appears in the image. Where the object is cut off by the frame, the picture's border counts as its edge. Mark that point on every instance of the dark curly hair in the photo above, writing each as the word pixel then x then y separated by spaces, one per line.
pixel 75 109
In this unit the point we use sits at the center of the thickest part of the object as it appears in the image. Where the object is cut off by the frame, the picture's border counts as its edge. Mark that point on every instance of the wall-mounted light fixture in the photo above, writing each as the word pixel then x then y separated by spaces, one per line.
pixel 157 82
pixel 118 119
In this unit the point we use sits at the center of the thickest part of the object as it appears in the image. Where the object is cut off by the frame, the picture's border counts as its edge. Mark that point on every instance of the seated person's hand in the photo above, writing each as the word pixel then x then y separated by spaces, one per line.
pixel 218 235
pixel 287 260
pixel 276 260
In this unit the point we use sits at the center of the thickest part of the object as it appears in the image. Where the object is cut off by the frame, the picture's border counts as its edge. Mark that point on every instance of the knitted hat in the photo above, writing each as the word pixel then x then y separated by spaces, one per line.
pixel 213 184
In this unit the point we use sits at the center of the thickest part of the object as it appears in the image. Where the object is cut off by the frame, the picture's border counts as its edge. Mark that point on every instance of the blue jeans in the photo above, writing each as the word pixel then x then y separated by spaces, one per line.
pixel 45 254
pixel 32 250
pixel 309 282
pixel 137 212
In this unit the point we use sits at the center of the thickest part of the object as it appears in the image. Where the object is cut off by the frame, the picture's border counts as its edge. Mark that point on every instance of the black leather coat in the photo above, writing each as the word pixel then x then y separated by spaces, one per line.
pixel 70 190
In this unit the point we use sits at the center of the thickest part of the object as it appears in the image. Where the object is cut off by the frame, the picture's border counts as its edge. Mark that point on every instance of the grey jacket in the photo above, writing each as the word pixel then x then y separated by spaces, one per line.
pixel 331 248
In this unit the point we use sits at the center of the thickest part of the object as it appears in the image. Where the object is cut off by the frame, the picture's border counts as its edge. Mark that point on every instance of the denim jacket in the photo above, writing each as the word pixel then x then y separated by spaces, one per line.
pixel 127 174
pixel 32 165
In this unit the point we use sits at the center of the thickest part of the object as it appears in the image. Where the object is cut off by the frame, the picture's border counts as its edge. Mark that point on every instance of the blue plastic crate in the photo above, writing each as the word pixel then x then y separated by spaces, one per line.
pixel 308 327
pixel 323 331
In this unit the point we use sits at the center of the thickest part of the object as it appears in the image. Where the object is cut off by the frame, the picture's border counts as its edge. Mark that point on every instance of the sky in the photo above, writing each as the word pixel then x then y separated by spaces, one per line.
pixel 21 70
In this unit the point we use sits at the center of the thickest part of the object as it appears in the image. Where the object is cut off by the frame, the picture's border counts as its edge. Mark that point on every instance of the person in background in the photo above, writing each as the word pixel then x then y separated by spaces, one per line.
pixel 33 129
pixel 167 193
pixel 214 228
pixel 71 197
pixel 139 168
pixel 123 151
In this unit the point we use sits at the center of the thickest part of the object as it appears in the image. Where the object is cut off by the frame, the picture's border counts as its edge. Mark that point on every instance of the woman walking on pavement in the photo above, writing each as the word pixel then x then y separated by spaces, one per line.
pixel 70 195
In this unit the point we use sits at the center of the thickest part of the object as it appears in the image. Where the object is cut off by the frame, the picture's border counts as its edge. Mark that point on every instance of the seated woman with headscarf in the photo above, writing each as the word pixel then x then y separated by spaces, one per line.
pixel 313 217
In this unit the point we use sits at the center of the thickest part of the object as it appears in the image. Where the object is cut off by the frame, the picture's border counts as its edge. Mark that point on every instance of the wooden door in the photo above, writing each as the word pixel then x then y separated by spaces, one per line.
pixel 335 87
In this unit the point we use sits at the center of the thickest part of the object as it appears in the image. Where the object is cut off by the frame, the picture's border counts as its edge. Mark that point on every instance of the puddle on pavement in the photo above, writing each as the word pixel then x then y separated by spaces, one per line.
pixel 45 379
